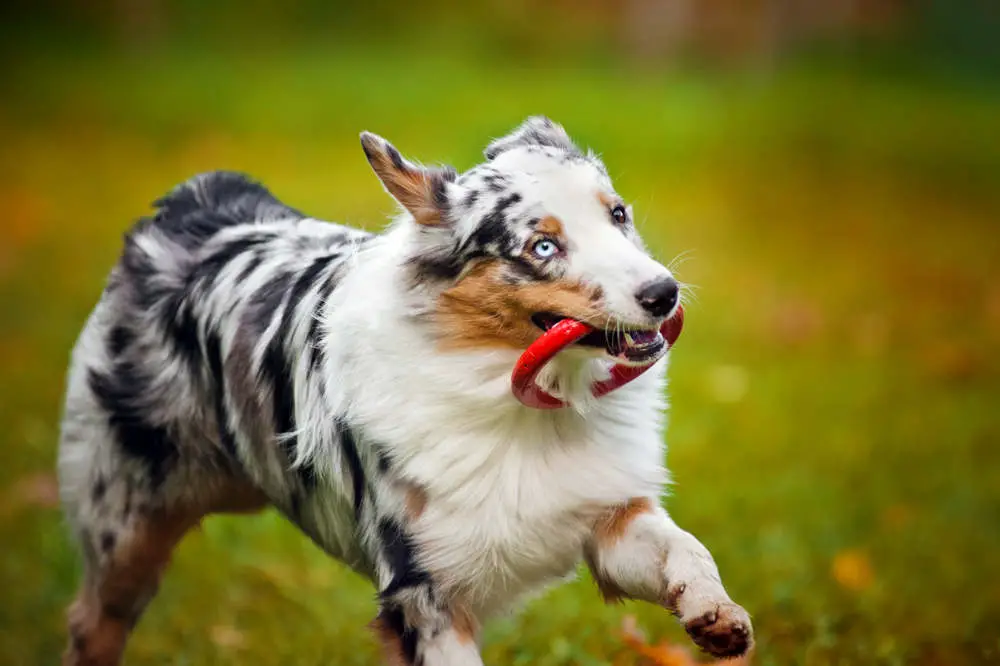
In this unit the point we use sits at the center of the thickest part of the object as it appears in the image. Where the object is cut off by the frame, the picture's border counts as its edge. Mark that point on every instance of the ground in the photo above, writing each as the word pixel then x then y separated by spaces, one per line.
pixel 834 420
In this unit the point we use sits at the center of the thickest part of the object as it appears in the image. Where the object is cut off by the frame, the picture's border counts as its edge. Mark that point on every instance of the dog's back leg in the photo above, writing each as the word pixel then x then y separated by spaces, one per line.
pixel 122 573
pixel 127 524
pixel 127 542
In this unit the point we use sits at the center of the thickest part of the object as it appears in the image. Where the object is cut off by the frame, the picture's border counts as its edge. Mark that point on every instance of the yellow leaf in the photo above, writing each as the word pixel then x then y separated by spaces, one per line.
pixel 852 570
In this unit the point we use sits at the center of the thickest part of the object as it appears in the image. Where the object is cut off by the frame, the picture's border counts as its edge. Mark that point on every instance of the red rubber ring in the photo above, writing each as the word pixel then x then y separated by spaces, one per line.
pixel 560 336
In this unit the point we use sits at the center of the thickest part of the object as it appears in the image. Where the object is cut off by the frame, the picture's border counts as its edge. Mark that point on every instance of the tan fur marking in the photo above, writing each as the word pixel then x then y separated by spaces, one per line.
pixel 110 604
pixel 392 647
pixel 465 625
pixel 551 226
pixel 410 185
pixel 95 639
pixel 609 528
pixel 416 501
pixel 484 311
pixel 609 201
pixel 612 525
pixel 238 497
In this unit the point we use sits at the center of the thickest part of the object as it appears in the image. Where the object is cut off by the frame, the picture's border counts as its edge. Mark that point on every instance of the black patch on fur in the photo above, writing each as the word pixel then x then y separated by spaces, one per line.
pixel 107 541
pixel 100 487
pixel 268 299
pixel 276 371
pixel 127 501
pixel 184 338
pixel 209 268
pixel 213 349
pixel 248 270
pixel 119 338
pixel 471 198
pixel 394 620
pixel 142 274
pixel 395 157
pixel 305 281
pixel 495 182
pixel 439 194
pixel 118 611
pixel 506 202
pixel 437 268
pixel 384 462
pixel 519 270
pixel 399 555
pixel 276 366
pixel 494 229
pixel 349 450
pixel 120 393
pixel 314 342
pixel 296 500
pixel 313 337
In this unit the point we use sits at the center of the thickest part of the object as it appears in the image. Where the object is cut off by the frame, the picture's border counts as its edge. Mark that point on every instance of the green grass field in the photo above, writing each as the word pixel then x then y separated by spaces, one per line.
pixel 835 416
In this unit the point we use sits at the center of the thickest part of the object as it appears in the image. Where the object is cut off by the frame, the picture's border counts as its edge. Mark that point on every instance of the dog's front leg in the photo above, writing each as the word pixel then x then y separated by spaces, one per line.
pixel 637 551
pixel 415 630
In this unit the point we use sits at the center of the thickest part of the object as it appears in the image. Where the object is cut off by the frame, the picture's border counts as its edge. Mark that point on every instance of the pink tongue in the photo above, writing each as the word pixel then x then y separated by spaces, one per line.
pixel 644 337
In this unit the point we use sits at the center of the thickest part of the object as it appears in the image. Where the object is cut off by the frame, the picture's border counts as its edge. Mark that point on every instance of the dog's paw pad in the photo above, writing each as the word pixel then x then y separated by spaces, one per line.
pixel 723 631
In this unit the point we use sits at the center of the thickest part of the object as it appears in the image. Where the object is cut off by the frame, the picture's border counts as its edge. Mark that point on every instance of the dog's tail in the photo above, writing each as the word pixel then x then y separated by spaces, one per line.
pixel 197 209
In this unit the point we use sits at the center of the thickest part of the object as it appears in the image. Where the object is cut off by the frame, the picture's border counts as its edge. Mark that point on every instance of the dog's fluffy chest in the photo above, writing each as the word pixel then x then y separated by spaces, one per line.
pixel 495 531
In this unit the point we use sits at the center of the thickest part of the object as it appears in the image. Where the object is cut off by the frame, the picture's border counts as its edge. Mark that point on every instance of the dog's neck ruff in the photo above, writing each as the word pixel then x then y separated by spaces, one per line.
pixel 560 336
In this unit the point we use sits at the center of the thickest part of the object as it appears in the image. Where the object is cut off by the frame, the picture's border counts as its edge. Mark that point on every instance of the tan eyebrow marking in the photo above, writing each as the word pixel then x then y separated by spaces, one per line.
pixel 550 226
pixel 609 201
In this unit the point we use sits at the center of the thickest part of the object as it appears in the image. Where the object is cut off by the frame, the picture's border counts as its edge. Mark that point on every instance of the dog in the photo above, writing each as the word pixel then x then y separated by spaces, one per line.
pixel 244 355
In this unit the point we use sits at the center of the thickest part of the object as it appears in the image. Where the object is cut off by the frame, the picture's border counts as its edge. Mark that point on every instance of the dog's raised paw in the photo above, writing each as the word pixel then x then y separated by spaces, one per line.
pixel 723 631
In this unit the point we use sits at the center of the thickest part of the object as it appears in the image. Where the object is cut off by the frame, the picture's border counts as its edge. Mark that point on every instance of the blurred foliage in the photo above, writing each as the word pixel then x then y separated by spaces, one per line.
pixel 834 423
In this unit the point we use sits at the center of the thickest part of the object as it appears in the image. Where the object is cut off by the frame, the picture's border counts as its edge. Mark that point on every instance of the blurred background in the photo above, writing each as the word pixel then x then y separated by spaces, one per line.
pixel 826 171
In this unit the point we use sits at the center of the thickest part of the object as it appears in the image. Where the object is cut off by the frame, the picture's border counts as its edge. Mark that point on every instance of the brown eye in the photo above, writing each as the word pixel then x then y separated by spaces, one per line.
pixel 618 214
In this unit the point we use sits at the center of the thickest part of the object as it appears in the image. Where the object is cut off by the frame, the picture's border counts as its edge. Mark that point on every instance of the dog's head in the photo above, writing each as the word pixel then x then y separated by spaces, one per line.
pixel 535 234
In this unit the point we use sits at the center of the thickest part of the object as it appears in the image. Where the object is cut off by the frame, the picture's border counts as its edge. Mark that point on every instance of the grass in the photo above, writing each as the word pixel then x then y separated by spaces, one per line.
pixel 834 417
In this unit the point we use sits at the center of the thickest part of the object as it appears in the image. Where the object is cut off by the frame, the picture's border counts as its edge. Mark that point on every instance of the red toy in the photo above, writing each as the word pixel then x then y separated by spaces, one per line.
pixel 560 336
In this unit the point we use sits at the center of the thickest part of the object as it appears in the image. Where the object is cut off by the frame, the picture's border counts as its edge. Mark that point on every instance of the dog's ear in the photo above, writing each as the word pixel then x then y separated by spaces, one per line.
pixel 535 131
pixel 423 191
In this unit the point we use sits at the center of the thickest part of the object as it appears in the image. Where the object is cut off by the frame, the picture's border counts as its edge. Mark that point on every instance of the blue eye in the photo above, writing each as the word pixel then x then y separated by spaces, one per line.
pixel 545 248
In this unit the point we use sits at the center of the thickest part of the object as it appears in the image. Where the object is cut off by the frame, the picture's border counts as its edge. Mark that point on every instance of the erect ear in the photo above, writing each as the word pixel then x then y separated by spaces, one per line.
pixel 423 191
pixel 535 131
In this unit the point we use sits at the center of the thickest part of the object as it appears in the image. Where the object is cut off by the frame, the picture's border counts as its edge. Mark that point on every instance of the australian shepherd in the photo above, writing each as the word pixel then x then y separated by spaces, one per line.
pixel 245 355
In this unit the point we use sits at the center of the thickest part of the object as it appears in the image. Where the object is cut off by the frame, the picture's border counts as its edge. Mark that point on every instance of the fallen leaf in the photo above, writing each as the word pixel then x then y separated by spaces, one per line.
pixel 853 570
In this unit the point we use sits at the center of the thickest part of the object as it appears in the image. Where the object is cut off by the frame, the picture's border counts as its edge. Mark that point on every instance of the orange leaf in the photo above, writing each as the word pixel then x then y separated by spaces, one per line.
pixel 852 570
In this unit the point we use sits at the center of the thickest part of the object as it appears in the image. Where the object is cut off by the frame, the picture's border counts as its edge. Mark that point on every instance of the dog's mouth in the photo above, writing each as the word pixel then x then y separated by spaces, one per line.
pixel 630 344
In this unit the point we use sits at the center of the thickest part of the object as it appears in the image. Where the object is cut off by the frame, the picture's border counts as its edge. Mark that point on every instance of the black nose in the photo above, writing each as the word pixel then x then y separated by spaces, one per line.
pixel 658 297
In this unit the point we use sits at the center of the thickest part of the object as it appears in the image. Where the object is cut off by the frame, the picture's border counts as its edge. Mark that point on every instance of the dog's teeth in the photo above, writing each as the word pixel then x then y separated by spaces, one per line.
pixel 629 339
